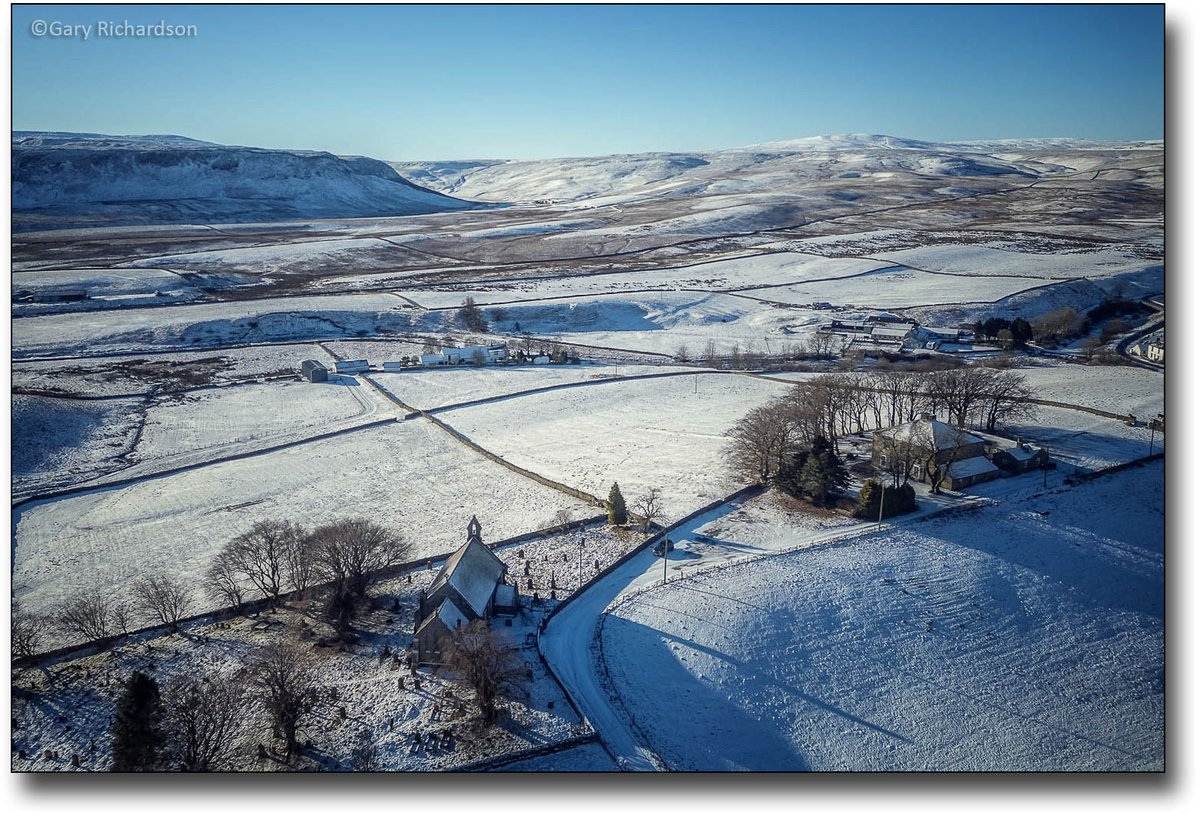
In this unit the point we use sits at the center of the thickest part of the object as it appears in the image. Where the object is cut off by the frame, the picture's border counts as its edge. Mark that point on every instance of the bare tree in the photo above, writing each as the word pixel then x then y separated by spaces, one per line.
pixel 735 355
pixel 961 390
pixel 681 353
pixel 119 613
pixel 759 441
pixel 814 407
pixel 1089 347
pixel 88 616
pixel 347 555
pixel 202 715
pixel 299 568
pixel 352 550
pixel 162 598
pixel 650 507
pixel 471 316
pixel 1057 326
pixel 286 683
pixel 1008 398
pixel 224 580
pixel 823 344
pixel 26 634
pixel 711 357
pixel 894 457
pixel 488 664
pixel 260 555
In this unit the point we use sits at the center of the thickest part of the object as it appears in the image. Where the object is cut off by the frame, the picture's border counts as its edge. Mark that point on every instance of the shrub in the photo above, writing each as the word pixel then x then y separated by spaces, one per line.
pixel 896 500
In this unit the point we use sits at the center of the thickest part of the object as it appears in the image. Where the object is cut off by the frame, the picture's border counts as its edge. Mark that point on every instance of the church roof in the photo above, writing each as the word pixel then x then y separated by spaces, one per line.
pixel 473 571
pixel 448 613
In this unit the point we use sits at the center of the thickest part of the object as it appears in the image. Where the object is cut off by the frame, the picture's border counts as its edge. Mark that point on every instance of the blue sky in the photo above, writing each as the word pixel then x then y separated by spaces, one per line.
pixel 443 82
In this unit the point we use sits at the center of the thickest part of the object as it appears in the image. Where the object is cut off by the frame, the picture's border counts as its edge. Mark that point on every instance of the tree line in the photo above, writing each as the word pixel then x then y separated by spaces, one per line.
pixel 270 559
pixel 830 406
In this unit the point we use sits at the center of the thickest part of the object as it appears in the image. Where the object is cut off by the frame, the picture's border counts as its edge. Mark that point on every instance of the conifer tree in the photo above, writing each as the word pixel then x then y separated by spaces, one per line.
pixel 823 473
pixel 617 514
pixel 137 728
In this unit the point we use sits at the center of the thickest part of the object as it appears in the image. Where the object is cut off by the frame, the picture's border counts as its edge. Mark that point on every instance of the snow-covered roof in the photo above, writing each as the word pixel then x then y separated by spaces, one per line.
pixel 506 595
pixel 473 571
pixel 973 466
pixel 1023 452
pixel 450 615
pixel 924 431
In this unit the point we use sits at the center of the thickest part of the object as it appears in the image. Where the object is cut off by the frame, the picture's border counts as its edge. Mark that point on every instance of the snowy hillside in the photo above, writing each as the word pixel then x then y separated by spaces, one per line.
pixel 765 168
pixel 63 179
pixel 1024 636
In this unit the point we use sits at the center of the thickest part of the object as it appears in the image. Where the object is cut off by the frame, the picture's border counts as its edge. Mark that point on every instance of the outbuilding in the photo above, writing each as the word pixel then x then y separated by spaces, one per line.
pixel 351 366
pixel 313 371
pixel 1021 457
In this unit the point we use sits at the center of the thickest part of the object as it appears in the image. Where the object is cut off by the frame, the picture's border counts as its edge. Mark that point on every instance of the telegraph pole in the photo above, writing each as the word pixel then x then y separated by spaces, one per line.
pixel 882 490
pixel 666 545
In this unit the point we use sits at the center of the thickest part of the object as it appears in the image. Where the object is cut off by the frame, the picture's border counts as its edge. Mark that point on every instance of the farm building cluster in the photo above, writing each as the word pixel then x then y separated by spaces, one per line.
pixel 889 332
pixel 315 371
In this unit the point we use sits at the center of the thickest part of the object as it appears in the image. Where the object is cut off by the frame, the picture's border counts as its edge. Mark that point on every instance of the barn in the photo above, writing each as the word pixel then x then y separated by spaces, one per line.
pixel 313 371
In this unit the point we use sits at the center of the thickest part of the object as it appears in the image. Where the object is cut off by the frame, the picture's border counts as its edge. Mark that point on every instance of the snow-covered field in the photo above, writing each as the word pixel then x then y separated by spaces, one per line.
pixel 66 441
pixel 433 388
pixel 1116 389
pixel 212 420
pixel 142 374
pixel 663 433
pixel 898 287
pixel 409 476
pixel 982 259
pixel 1026 636
pixel 282 319
pixel 1084 440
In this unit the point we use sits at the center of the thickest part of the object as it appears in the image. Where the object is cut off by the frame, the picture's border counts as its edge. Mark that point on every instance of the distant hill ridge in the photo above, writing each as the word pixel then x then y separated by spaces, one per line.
pixel 84 179
pixel 759 168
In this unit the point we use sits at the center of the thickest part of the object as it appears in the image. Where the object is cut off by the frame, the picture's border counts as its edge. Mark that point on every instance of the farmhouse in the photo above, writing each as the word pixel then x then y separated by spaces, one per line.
pixel 468 355
pixel 928 448
pixel 891 334
pixel 1151 348
pixel 469 587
